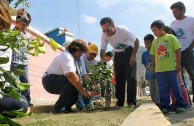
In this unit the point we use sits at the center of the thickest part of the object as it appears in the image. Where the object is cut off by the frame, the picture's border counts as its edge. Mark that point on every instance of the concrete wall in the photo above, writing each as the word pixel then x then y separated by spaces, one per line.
pixel 37 67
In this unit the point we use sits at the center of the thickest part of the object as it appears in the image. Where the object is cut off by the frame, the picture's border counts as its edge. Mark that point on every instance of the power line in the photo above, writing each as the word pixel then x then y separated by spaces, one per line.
pixel 78 21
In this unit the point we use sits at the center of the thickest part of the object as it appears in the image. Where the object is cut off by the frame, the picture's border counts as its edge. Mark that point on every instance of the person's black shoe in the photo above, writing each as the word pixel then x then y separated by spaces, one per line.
pixel 66 111
pixel 131 105
pixel 119 106
pixel 30 104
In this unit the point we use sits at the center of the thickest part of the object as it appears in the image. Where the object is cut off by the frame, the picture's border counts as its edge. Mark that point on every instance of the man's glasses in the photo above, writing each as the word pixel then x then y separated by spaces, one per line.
pixel 107 30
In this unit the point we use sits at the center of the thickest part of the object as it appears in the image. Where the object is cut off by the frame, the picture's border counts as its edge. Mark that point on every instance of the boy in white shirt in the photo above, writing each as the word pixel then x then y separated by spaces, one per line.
pixel 184 28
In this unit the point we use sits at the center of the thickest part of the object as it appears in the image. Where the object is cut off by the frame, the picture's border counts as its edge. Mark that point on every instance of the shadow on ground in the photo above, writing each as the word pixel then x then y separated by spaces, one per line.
pixel 184 119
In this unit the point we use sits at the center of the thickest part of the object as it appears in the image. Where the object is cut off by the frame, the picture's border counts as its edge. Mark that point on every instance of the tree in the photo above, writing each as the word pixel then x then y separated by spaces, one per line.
pixel 8 40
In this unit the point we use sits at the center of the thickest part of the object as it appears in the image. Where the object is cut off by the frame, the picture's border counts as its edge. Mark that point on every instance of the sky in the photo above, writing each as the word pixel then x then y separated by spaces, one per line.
pixel 136 15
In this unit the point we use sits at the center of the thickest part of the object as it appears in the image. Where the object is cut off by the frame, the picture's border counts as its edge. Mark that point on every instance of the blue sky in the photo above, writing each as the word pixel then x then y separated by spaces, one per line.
pixel 136 15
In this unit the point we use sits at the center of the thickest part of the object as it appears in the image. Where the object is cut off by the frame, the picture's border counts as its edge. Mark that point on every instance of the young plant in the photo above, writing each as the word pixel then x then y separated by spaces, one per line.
pixel 99 82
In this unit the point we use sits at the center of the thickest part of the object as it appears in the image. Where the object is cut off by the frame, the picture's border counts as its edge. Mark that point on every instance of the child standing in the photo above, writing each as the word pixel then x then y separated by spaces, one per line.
pixel 22 22
pixel 166 60
pixel 183 88
pixel 149 75
pixel 108 91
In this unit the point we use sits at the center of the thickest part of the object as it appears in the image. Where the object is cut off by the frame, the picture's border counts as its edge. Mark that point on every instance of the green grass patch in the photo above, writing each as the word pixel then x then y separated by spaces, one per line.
pixel 104 117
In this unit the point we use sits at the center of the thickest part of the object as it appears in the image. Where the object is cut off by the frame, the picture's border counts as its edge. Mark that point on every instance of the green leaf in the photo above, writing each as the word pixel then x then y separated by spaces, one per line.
pixel 3 119
pixel 2 70
pixel 41 44
pixel 18 72
pixel 36 51
pixel 1 94
pixel 30 47
pixel 41 49
pixel 17 113
pixel 23 86
pixel 54 45
pixel 13 123
pixel 30 53
pixel 33 42
pixel 9 78
pixel 15 32
pixel 4 60
pixel 15 94
pixel 38 38
pixel 2 83
pixel 17 3
pixel 1 40
pixel 23 41
pixel 5 49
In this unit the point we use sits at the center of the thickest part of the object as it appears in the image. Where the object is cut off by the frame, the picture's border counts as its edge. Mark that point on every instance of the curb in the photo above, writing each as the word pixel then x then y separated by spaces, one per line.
pixel 147 114
pixel 42 109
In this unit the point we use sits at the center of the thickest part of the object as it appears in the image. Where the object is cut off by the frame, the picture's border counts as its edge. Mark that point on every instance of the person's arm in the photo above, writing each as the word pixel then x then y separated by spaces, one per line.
pixel 191 46
pixel 75 81
pixel 133 55
pixel 178 60
pixel 84 72
pixel 143 60
pixel 102 54
pixel 153 63
pixel 104 44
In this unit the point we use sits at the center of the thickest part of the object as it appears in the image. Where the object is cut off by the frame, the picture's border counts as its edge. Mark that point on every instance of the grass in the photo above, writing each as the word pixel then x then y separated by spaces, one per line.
pixel 104 117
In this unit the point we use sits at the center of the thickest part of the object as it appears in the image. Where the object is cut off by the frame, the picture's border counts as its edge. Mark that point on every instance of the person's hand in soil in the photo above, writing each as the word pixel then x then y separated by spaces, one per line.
pixel 87 94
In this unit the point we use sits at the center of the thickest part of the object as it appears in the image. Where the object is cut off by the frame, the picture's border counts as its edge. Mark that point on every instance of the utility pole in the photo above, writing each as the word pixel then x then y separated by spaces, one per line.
pixel 78 21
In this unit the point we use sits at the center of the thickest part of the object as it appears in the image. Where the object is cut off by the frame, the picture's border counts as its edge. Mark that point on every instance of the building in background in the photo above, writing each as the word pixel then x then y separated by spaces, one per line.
pixel 60 35
pixel 140 68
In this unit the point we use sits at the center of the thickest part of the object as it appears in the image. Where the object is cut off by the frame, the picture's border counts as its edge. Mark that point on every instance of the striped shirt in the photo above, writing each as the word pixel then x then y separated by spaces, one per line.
pixel 16 58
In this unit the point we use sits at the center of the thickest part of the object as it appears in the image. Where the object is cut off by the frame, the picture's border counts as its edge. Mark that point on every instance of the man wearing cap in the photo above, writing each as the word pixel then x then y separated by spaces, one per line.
pixel 126 45
pixel 22 22
pixel 90 56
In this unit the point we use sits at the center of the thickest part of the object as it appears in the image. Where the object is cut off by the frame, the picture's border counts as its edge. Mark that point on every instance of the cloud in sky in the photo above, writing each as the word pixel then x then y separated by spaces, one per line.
pixel 89 19
pixel 167 3
pixel 107 3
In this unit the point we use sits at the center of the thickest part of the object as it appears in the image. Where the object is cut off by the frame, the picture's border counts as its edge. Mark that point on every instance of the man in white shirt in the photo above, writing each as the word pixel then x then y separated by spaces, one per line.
pixel 184 29
pixel 64 77
pixel 126 45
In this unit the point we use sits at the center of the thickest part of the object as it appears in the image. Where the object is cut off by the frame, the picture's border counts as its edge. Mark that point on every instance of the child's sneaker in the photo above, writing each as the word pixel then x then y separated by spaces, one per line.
pixel 165 111
pixel 189 107
pixel 180 110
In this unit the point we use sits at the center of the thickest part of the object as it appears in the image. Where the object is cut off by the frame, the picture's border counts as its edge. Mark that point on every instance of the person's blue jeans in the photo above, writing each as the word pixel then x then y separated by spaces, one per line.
pixel 166 81
pixel 82 102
